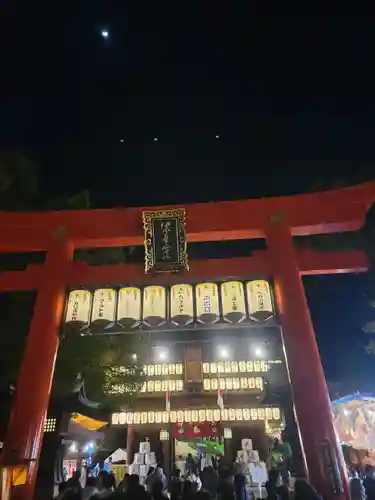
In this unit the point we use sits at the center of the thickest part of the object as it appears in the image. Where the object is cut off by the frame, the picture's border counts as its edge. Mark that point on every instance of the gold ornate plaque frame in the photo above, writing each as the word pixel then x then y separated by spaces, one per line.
pixel 154 221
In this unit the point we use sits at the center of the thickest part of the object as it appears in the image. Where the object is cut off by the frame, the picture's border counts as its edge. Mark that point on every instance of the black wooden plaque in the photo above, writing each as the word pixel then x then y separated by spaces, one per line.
pixel 165 240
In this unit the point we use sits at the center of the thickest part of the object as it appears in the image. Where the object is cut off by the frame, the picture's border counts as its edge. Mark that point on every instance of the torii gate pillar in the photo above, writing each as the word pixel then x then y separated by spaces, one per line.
pixel 25 432
pixel 323 455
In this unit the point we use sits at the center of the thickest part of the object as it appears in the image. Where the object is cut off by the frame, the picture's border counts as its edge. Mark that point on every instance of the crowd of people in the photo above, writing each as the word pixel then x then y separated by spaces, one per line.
pixel 362 483
pixel 223 483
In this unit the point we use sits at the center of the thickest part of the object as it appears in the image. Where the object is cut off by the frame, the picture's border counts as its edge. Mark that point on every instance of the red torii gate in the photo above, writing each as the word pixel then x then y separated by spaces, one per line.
pixel 275 219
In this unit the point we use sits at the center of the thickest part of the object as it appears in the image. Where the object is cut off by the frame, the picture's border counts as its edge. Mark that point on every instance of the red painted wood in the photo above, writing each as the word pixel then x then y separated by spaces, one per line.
pixel 24 437
pixel 309 388
pixel 326 212
pixel 310 262
pixel 331 211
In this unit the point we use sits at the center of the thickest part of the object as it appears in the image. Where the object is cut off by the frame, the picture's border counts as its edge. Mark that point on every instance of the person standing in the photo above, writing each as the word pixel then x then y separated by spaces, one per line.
pixel 369 482
pixel 191 466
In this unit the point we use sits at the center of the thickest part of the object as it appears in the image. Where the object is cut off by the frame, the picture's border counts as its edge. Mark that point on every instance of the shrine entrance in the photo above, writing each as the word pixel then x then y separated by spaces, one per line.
pixel 163 233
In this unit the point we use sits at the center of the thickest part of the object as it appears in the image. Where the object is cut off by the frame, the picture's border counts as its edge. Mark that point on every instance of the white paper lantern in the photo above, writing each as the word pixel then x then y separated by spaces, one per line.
pixel 181 304
pixel 103 309
pixel 207 302
pixel 259 300
pixel 154 306
pixel 233 301
pixel 129 307
pixel 77 316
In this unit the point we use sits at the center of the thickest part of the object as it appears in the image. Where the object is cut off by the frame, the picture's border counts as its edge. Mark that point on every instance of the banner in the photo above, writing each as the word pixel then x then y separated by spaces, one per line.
pixel 165 240
pixel 196 430
pixel 181 303
pixel 78 309
pixel 154 306
pixel 207 300
pixel 103 309
pixel 129 307
pixel 233 301
pixel 259 300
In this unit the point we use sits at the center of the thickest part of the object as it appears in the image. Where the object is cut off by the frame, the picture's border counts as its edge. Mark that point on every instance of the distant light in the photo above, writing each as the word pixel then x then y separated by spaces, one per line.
pixel 217 136
pixel 162 354
pixel 156 139
pixel 73 447
pixel 90 445
pixel 121 140
pixel 345 411
pixel 134 357
pixel 258 352
pixel 223 352
pixel 105 34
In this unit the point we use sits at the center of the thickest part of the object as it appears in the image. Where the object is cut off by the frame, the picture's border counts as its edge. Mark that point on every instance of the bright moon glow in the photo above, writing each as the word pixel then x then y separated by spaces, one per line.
pixel 105 34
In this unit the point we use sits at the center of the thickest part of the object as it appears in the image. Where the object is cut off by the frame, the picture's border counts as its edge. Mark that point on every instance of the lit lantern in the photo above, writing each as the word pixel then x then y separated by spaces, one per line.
pixel 239 414
pixel 276 413
pixel 233 301
pixel 181 304
pixel 154 306
pixel 129 307
pixel 179 385
pixel 164 435
pixel 259 300
pixel 103 309
pixel 137 417
pixel 77 315
pixel 216 415
pixel 207 300
pixel 227 433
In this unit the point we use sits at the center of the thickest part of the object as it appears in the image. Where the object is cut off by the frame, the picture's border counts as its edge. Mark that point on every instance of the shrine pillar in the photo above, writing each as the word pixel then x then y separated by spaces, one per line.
pixel 322 452
pixel 25 432
pixel 130 442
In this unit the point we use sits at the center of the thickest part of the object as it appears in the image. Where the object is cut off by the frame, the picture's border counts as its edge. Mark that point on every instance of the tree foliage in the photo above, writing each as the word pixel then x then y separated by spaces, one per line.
pixel 95 359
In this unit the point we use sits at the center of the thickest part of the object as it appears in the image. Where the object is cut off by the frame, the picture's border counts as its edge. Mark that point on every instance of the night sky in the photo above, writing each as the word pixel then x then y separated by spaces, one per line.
pixel 290 96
